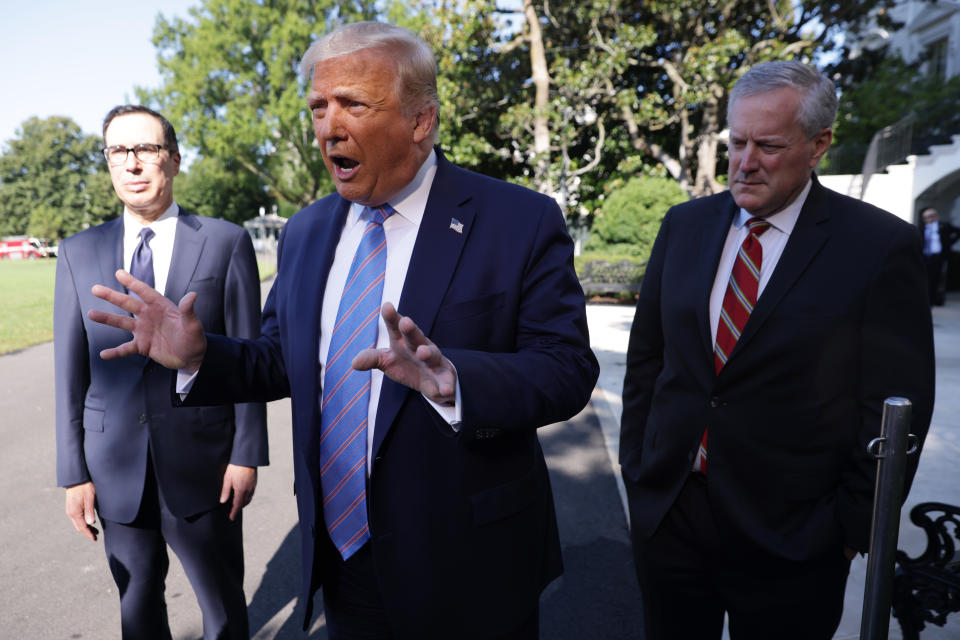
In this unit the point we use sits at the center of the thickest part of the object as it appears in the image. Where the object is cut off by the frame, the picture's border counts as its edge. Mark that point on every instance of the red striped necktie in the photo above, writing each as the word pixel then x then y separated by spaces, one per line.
pixel 738 303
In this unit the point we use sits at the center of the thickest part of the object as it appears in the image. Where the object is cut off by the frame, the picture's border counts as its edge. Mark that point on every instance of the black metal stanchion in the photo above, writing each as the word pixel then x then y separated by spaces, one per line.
pixel 891 450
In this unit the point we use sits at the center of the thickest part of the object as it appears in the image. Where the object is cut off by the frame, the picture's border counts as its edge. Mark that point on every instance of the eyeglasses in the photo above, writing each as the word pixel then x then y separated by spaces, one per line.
pixel 144 152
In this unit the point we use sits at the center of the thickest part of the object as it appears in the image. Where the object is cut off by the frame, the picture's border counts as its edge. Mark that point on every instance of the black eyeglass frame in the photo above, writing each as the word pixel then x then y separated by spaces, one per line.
pixel 143 147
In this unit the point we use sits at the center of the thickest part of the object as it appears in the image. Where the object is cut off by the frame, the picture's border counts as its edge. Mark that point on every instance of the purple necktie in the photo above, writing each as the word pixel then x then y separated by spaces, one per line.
pixel 141 266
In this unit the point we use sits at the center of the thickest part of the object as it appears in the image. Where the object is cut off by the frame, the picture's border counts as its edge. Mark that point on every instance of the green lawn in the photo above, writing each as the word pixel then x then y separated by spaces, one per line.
pixel 26 301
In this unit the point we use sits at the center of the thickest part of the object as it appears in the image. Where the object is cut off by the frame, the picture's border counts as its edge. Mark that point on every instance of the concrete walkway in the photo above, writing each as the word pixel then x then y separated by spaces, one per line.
pixel 937 479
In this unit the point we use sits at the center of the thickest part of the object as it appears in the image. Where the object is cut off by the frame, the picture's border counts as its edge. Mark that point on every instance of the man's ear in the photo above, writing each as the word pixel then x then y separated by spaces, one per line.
pixel 821 142
pixel 426 122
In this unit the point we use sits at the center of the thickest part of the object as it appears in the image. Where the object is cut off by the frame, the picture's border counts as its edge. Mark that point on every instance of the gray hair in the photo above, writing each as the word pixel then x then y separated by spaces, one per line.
pixel 416 82
pixel 818 104
pixel 169 135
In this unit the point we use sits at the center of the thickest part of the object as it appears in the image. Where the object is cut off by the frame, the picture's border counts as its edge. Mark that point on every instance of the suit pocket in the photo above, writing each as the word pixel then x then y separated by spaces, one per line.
pixel 470 308
pixel 507 499
pixel 93 419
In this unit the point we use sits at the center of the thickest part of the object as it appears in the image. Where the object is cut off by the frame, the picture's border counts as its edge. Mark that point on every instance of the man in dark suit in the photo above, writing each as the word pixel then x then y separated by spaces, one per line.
pixel 157 475
pixel 441 524
pixel 773 321
pixel 938 238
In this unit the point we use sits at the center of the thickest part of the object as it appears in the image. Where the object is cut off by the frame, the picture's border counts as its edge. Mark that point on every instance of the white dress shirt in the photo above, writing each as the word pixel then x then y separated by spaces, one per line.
pixel 400 230
pixel 931 233
pixel 773 241
pixel 161 244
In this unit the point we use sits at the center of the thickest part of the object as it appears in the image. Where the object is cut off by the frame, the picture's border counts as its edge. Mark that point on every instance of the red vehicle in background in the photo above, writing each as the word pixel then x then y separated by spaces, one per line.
pixel 25 248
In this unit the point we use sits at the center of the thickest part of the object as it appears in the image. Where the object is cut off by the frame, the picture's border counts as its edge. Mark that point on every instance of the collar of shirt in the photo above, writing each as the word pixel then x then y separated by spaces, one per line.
pixel 411 202
pixel 165 230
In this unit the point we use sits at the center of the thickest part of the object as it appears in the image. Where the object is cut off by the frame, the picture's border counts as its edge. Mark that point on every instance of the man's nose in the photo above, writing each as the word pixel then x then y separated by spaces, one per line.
pixel 131 162
pixel 330 126
pixel 748 158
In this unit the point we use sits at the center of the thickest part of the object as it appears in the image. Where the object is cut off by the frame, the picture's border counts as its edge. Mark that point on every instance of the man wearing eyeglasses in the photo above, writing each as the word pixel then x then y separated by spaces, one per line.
pixel 156 475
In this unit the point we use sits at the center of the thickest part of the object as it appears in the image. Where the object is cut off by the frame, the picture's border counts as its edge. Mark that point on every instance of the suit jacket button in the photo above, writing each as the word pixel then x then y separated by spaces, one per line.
pixel 143 418
pixel 714 402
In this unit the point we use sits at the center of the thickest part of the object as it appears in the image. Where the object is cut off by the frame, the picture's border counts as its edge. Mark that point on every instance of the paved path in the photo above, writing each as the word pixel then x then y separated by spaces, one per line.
pixel 55 584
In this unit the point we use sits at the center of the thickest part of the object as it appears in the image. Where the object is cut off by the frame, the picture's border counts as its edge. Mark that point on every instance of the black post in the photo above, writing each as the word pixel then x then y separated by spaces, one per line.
pixel 890 449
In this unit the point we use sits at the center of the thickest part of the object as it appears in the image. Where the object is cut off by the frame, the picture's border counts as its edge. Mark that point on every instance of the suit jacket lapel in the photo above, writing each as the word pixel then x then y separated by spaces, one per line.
pixel 432 264
pixel 187 247
pixel 110 261
pixel 710 246
pixel 806 240
pixel 303 284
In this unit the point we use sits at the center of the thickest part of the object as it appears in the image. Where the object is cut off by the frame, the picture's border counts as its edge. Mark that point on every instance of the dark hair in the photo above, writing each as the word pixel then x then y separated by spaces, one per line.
pixel 169 135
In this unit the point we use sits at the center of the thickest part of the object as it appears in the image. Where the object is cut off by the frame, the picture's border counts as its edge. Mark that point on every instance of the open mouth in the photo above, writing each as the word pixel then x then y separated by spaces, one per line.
pixel 344 167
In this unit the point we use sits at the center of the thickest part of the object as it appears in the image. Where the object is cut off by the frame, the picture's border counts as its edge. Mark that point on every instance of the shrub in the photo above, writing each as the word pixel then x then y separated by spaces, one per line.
pixel 629 219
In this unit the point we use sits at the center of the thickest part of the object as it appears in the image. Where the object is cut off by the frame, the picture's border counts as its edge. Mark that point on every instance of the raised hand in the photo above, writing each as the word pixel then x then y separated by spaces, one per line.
pixel 411 359
pixel 170 334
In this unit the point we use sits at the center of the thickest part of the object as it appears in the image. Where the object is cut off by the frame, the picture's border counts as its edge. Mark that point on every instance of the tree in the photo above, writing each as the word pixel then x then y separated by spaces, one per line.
pixel 893 91
pixel 53 180
pixel 231 85
pixel 589 90
pixel 221 189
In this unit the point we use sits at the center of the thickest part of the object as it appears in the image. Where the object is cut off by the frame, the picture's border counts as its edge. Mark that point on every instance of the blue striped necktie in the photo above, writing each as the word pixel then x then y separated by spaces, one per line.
pixel 346 392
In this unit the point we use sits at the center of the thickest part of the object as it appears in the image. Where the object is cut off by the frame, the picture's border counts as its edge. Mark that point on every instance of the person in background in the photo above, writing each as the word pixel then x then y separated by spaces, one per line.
pixel 938 238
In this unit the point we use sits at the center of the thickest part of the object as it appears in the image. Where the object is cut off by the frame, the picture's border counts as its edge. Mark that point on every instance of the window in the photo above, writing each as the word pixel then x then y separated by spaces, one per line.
pixel 937 58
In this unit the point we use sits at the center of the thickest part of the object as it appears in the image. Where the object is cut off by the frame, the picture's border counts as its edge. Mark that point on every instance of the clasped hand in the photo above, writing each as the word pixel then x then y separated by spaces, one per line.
pixel 172 335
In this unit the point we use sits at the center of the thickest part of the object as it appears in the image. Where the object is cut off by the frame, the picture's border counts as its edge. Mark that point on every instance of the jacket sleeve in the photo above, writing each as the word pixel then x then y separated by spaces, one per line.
pixel 896 360
pixel 241 309
pixel 551 372
pixel 249 368
pixel 644 355
pixel 71 373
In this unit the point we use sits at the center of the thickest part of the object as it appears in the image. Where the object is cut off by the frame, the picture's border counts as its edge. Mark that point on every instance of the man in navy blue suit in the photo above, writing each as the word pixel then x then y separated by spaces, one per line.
pixel 156 475
pixel 482 339
pixel 773 321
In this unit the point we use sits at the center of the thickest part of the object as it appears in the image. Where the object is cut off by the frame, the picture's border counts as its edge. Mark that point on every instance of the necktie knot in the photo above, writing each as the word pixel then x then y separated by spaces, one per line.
pixel 757 226
pixel 379 214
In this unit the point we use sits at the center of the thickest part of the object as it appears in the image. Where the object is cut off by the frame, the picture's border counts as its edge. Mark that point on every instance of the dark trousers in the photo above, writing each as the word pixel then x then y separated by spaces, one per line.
pixel 936 277
pixel 354 608
pixel 689 581
pixel 210 548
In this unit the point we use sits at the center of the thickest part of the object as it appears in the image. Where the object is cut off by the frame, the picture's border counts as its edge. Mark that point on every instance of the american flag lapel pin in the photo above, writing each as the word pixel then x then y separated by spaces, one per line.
pixel 456 225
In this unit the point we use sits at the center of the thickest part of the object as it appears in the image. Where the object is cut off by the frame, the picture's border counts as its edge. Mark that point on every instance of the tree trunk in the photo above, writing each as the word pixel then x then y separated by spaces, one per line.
pixel 706 183
pixel 541 83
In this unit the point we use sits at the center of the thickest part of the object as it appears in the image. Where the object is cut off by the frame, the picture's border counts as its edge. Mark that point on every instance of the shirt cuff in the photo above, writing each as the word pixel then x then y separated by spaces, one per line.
pixel 452 414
